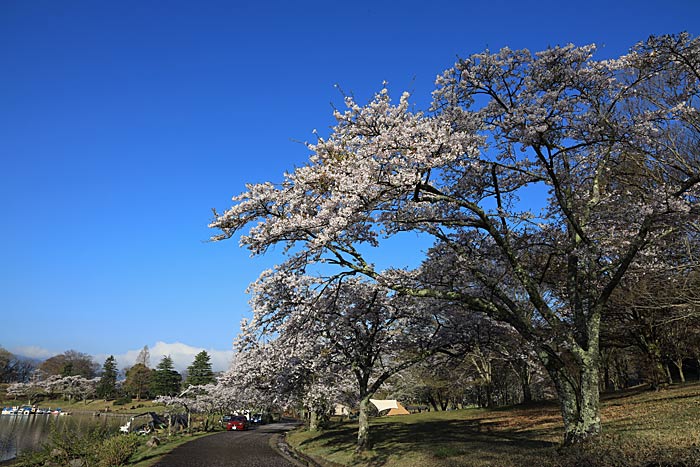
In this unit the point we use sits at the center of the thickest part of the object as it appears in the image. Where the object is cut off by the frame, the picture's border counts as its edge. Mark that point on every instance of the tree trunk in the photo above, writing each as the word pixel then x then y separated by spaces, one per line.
pixel 488 388
pixel 656 365
pixel 433 402
pixel 667 370
pixel 579 395
pixel 313 420
pixel 679 365
pixel 363 439
pixel 608 382
pixel 527 392
pixel 522 371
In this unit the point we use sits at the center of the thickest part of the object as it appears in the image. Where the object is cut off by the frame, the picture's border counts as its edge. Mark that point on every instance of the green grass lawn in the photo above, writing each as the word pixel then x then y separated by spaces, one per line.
pixel 641 428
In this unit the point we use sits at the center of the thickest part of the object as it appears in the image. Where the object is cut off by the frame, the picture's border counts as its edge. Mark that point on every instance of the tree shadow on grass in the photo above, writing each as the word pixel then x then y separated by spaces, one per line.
pixel 438 439
pixel 449 438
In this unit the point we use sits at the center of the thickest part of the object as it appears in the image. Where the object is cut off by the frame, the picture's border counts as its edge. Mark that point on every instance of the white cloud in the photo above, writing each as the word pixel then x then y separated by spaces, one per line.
pixel 182 355
pixel 32 351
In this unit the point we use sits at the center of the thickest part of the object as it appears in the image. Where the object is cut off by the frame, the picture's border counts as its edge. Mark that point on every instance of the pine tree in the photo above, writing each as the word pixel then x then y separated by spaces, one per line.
pixel 165 381
pixel 107 387
pixel 200 371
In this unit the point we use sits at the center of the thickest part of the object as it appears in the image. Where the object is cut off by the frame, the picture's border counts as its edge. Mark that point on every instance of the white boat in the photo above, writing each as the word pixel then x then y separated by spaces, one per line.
pixel 10 410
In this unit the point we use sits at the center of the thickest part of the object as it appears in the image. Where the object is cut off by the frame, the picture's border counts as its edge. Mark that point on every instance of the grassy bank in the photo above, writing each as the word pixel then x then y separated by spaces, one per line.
pixel 99 448
pixel 96 449
pixel 640 428
pixel 96 405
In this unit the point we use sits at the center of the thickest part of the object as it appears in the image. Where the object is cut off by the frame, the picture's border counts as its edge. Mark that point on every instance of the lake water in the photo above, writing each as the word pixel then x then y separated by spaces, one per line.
pixel 27 432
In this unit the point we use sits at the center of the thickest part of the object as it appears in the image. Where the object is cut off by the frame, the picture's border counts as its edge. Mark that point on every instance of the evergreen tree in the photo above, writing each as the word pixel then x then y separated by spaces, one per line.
pixel 200 371
pixel 107 386
pixel 138 381
pixel 165 381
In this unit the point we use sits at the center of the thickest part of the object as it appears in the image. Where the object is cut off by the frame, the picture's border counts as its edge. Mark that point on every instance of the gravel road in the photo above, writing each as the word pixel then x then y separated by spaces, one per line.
pixel 231 448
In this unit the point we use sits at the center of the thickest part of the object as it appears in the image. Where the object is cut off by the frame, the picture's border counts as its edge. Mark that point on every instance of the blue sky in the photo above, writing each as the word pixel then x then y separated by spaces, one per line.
pixel 123 123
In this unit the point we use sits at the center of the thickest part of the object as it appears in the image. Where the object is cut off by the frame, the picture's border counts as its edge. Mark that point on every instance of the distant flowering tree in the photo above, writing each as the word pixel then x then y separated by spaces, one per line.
pixel 209 399
pixel 69 387
pixel 78 387
pixel 280 371
pixel 542 178
pixel 29 390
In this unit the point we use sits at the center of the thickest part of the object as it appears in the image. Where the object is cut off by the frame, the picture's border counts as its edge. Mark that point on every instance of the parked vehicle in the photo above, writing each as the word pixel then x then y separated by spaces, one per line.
pixel 237 423
pixel 227 418
pixel 260 418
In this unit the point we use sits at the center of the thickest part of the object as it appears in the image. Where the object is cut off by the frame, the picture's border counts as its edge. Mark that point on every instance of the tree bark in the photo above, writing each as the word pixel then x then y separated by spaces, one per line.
pixel 527 392
pixel 433 402
pixel 679 364
pixel 579 395
pixel 522 371
pixel 363 438
pixel 313 420
pixel 667 370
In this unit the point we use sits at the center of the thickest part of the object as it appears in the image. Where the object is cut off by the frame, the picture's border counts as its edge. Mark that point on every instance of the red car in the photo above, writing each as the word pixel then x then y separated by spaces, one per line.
pixel 237 423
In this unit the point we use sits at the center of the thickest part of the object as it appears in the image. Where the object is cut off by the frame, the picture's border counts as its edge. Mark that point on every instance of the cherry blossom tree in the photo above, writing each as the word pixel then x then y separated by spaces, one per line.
pixel 31 390
pixel 542 178
pixel 331 334
pixel 280 367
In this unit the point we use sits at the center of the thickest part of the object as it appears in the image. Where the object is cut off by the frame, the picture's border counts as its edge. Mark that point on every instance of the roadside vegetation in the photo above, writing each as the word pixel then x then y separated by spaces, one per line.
pixel 640 428
pixel 100 448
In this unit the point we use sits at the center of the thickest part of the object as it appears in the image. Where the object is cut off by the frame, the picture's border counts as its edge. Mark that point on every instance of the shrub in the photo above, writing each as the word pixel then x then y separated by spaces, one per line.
pixel 117 450
pixel 123 400
pixel 93 448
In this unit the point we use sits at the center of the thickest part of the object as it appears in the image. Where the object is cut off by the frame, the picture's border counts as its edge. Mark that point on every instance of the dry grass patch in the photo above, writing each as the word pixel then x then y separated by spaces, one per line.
pixel 641 428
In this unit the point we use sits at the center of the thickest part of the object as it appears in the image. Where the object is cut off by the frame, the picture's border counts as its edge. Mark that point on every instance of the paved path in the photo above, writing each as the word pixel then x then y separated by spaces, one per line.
pixel 231 448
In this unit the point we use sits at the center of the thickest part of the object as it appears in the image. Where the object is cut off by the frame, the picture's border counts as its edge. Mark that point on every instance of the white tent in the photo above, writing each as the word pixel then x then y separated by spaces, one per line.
pixel 393 406
pixel 385 404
